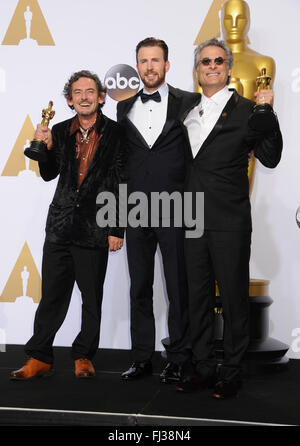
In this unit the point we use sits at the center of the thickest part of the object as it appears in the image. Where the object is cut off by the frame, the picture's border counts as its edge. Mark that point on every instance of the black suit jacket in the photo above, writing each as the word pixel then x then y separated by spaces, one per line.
pixel 220 168
pixel 163 167
pixel 72 213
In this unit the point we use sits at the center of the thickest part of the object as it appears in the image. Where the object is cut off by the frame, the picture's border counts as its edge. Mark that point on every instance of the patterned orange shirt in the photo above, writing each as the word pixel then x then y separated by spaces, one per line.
pixel 85 146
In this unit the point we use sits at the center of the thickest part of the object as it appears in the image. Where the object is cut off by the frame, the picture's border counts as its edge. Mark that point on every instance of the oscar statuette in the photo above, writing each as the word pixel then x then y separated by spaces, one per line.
pixel 263 118
pixel 38 149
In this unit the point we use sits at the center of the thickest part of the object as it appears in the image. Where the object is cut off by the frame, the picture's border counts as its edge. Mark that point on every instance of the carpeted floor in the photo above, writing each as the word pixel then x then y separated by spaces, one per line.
pixel 269 397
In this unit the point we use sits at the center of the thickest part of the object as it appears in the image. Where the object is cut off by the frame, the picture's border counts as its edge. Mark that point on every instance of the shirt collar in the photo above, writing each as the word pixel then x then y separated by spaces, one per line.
pixel 75 124
pixel 218 98
pixel 163 90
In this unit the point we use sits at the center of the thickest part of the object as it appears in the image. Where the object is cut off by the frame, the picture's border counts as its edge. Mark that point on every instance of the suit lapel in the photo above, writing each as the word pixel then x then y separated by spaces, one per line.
pixel 136 132
pixel 71 155
pixel 231 104
pixel 174 101
pixel 183 117
pixel 126 107
pixel 102 145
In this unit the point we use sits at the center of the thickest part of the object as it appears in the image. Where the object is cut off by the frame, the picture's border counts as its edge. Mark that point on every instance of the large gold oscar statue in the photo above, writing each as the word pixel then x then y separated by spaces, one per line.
pixel 235 22
pixel 248 66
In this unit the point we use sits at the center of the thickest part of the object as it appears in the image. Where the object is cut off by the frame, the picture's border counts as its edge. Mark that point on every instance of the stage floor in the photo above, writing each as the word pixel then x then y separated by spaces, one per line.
pixel 268 398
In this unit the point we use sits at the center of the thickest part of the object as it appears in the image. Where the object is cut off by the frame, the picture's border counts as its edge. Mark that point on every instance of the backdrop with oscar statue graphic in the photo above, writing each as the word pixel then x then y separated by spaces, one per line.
pixel 42 42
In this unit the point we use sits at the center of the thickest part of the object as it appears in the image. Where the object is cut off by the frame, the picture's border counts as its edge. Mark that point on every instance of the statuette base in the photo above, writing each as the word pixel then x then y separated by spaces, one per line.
pixel 263 118
pixel 37 151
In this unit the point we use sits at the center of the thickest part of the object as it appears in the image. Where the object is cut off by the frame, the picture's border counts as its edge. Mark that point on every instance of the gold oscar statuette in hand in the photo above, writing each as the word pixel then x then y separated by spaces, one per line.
pixel 38 149
pixel 263 117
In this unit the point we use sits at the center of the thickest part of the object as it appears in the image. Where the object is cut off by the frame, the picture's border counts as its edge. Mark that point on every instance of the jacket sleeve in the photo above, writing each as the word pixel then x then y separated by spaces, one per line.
pixel 116 176
pixel 267 147
pixel 51 167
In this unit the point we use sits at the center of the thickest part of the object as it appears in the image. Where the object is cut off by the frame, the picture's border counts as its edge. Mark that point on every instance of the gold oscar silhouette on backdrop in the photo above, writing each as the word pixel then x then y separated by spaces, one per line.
pixel 28 27
pixel 248 64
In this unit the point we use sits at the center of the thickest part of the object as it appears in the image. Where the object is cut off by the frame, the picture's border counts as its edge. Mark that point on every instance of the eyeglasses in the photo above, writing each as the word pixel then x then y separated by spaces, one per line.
pixel 207 61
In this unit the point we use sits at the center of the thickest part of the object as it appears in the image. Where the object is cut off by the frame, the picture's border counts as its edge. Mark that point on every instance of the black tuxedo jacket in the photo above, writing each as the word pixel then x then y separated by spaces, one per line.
pixel 220 168
pixel 72 213
pixel 163 167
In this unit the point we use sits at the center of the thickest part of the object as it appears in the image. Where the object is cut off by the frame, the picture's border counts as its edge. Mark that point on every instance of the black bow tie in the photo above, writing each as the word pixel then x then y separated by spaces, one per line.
pixel 146 97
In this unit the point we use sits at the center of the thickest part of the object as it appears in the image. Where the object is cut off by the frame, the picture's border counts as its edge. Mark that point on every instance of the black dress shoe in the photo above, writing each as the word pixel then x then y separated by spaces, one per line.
pixel 196 382
pixel 226 389
pixel 171 374
pixel 137 370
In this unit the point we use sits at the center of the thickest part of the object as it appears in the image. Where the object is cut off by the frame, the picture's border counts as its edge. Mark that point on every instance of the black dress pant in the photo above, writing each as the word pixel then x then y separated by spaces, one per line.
pixel 222 257
pixel 141 248
pixel 62 265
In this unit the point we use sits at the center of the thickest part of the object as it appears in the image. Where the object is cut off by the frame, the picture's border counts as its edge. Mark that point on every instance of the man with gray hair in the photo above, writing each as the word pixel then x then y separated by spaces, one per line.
pixel 220 140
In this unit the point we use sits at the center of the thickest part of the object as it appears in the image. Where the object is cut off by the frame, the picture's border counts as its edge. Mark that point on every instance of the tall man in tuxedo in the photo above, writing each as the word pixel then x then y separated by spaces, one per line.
pixel 220 140
pixel 157 148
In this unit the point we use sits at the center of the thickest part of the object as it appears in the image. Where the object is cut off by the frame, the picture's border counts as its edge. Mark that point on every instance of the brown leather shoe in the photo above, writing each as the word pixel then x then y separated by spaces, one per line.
pixel 32 369
pixel 84 368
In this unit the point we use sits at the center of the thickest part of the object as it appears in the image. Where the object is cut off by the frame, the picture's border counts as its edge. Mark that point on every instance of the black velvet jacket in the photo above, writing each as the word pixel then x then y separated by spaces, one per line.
pixel 72 213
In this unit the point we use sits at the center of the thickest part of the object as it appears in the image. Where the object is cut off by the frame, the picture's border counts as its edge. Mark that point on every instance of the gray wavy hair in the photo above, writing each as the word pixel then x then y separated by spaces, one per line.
pixel 218 43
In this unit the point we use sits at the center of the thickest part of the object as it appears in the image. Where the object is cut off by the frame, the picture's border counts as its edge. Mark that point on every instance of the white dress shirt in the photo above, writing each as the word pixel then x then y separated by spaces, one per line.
pixel 149 118
pixel 201 119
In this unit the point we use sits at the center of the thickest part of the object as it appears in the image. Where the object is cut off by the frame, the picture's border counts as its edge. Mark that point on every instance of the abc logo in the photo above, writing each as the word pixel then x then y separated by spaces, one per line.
pixel 122 82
